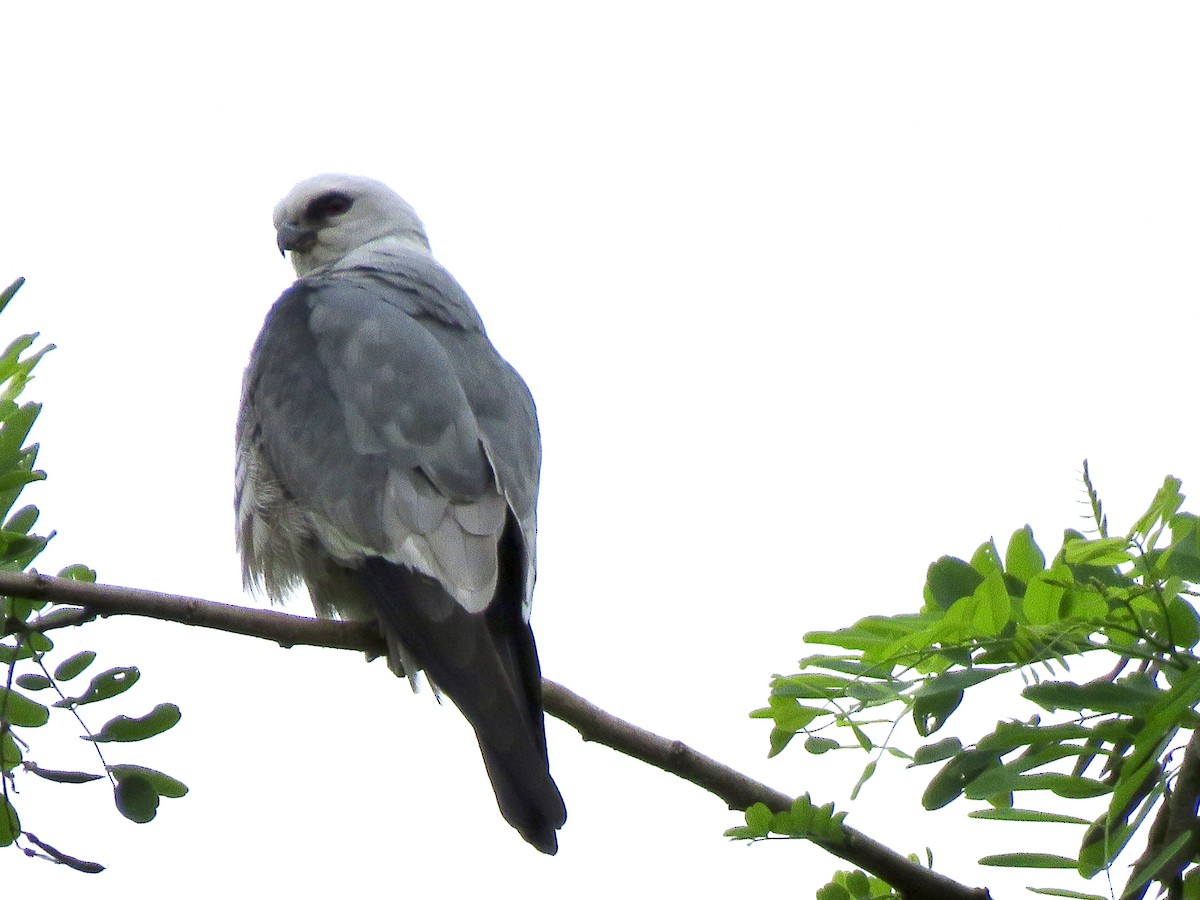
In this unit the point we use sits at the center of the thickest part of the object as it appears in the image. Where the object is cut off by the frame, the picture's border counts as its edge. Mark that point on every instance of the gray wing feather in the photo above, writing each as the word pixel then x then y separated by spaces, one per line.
pixel 395 366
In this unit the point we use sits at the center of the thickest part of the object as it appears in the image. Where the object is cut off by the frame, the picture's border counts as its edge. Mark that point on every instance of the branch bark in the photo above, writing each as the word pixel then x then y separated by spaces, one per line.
pixel 85 602
pixel 1176 817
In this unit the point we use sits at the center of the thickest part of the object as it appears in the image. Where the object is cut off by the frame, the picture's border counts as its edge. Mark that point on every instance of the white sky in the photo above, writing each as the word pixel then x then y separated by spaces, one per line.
pixel 808 295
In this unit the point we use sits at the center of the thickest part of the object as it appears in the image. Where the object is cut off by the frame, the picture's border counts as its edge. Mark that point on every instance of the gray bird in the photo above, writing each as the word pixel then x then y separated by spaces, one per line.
pixel 388 458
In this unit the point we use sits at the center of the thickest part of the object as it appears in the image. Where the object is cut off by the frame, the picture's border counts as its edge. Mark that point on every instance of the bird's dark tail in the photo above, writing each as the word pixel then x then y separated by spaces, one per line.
pixel 487 664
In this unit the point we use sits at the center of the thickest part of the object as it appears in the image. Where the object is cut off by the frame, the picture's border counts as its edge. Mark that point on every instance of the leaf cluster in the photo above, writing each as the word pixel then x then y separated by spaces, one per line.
pixel 802 820
pixel 26 648
pixel 1126 736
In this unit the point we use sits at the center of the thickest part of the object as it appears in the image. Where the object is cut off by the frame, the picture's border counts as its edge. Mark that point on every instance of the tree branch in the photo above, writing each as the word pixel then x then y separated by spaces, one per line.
pixel 738 791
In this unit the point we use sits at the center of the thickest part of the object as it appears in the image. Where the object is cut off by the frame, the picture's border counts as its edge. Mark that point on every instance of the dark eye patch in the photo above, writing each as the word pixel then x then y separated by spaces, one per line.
pixel 328 205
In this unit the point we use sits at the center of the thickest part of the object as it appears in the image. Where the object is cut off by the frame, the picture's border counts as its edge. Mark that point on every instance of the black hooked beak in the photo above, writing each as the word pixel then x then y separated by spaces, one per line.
pixel 290 237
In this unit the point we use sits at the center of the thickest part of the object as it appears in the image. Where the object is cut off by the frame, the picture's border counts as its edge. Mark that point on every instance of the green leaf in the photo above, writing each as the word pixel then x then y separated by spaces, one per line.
pixel 861 736
pixel 1191 885
pixel 949 580
pixel 790 717
pixel 997 781
pixel 810 686
pixel 828 825
pixel 845 664
pixel 12 367
pixel 1165 504
pixel 1083 601
pixel 936 752
pixel 22 608
pixel 38 642
pixel 872 692
pixel 758 820
pixel 60 776
pixel 1002 800
pixel 9 292
pixel 952 779
pixel 108 683
pixel 802 813
pixel 1072 787
pixel 833 891
pixel 10 751
pixel 1183 624
pixel 1103 552
pixel 1010 735
pixel 79 865
pixel 19 710
pixel 865 634
pixel 1183 563
pixel 779 739
pixel 78 572
pixel 858 885
pixel 22 520
pixel 867 773
pixel 931 711
pixel 164 784
pixel 1043 596
pixel 1029 861
pixel 1026 815
pixel 788 713
pixel 15 429
pixel 993 606
pixel 1072 895
pixel 1024 558
pixel 958 680
pixel 1129 699
pixel 986 559
pixel 122 728
pixel 19 550
pixel 59 617
pixel 781 823
pixel 819 745
pixel 136 799
pixel 33 681
pixel 74 665
pixel 18 478
pixel 10 822
pixel 10 654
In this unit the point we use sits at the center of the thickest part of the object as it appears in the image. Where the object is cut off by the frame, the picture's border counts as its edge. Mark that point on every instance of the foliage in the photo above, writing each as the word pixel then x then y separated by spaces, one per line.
pixel 858 885
pixel 26 648
pixel 803 820
pixel 1129 736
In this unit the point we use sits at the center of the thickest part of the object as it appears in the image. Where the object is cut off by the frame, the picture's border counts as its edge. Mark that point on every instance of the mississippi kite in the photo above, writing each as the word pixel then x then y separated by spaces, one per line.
pixel 388 457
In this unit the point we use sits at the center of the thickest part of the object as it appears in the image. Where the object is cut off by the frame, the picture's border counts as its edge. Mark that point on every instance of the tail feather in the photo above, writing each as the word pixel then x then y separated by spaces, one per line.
pixel 487 664
pixel 536 811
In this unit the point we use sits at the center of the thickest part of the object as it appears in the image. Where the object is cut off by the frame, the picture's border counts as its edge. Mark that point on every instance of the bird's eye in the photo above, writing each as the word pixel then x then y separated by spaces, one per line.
pixel 335 203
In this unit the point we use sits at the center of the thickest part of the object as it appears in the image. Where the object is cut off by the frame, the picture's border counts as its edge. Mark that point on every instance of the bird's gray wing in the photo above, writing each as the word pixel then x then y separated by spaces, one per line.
pixel 362 417
pixel 499 398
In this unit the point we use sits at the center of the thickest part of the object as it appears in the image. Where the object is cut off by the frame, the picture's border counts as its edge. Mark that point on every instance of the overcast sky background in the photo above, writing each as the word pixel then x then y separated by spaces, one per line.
pixel 808 295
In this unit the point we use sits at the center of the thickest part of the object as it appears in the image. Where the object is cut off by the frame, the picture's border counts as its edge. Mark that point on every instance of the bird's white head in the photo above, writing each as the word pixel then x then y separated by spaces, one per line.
pixel 325 218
